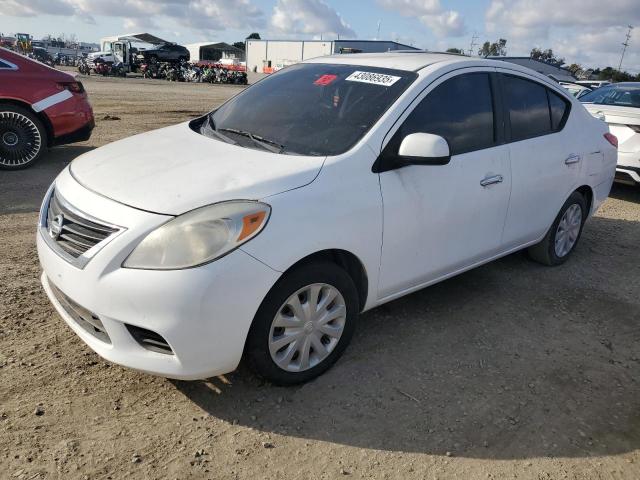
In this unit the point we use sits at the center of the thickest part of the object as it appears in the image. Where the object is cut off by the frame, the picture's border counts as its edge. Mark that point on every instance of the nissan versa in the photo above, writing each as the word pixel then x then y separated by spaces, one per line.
pixel 331 187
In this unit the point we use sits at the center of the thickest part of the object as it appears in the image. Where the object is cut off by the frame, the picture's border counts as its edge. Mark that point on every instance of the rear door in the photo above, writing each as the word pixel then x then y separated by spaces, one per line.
pixel 546 157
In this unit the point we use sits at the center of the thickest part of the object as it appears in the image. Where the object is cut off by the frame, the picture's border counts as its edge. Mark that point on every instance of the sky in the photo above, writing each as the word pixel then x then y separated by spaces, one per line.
pixel 588 32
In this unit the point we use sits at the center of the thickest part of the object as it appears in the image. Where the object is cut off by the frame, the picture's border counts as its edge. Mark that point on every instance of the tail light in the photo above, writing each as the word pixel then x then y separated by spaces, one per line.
pixel 612 139
pixel 73 87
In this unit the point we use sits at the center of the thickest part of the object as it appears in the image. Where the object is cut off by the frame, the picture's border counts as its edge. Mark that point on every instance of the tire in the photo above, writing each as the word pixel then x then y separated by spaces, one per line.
pixel 23 138
pixel 264 335
pixel 552 250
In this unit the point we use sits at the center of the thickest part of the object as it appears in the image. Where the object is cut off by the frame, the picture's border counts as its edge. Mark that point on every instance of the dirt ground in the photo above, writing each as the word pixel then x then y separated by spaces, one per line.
pixel 512 370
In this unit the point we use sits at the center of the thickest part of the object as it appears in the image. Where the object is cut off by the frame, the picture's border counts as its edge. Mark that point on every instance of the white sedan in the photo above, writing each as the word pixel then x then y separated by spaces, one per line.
pixel 619 105
pixel 264 228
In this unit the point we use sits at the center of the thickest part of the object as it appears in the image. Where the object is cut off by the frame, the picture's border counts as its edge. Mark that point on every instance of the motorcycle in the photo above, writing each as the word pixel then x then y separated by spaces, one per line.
pixel 83 67
pixel 238 78
pixel 208 75
pixel 192 73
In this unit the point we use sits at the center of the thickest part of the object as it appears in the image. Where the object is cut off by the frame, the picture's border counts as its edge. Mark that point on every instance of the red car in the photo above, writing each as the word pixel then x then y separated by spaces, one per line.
pixel 39 107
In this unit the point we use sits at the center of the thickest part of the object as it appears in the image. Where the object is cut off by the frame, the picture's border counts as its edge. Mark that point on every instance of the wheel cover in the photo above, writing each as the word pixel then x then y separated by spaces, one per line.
pixel 568 230
pixel 307 327
pixel 20 140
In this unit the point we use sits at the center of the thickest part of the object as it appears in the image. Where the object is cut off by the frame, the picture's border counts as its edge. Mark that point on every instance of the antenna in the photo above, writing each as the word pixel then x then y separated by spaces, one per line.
pixel 625 45
pixel 473 43
pixel 378 31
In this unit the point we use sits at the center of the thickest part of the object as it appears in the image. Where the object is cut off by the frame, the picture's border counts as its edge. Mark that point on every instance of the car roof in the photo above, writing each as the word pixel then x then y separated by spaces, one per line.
pixel 415 60
pixel 410 60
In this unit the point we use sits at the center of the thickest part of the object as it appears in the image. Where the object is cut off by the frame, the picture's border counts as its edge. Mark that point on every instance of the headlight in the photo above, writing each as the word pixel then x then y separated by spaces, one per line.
pixel 200 236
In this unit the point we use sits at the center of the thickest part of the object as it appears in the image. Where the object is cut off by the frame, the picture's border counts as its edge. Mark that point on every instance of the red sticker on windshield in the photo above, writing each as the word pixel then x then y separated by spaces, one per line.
pixel 325 80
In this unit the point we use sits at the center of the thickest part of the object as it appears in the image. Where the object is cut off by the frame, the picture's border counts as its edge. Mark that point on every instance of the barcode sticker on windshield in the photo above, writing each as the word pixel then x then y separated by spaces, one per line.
pixel 373 78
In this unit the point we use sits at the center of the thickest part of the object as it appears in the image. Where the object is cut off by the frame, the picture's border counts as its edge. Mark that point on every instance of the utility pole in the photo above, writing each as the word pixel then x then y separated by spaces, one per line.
pixel 625 45
pixel 473 43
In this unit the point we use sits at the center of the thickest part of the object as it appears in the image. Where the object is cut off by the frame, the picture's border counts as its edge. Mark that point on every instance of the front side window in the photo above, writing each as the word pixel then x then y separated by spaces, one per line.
pixel 527 108
pixel 307 109
pixel 460 110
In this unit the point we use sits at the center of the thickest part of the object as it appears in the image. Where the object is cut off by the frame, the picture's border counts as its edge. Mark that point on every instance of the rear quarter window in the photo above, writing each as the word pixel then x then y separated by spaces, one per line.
pixel 559 108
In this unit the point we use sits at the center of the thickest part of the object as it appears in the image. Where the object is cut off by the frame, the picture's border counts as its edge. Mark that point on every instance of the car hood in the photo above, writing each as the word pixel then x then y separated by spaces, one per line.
pixel 173 170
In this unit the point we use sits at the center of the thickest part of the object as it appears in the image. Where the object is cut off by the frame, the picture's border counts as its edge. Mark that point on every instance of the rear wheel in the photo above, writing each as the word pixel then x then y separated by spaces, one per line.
pixel 304 324
pixel 23 137
pixel 563 236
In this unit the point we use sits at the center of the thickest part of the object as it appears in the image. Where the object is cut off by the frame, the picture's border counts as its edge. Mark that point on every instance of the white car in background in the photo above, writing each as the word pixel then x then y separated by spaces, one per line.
pixel 575 89
pixel 618 104
pixel 329 188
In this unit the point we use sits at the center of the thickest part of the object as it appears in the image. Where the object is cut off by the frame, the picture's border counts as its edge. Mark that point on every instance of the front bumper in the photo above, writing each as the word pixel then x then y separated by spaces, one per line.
pixel 203 313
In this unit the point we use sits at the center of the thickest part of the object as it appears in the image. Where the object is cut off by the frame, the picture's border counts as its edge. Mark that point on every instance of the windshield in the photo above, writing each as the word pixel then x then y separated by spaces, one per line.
pixel 308 109
pixel 619 95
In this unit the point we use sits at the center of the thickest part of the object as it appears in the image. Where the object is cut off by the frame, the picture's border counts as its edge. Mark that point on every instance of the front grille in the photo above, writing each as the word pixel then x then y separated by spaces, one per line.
pixel 149 339
pixel 83 317
pixel 73 232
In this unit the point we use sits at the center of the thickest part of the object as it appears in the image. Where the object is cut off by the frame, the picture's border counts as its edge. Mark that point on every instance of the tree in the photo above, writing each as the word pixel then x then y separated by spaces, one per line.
pixel 495 49
pixel 615 75
pixel 546 56
pixel 239 45
pixel 575 69
pixel 455 50
pixel 254 36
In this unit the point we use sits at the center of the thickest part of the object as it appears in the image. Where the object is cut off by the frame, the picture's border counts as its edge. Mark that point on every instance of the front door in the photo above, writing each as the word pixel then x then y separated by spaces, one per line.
pixel 120 53
pixel 441 219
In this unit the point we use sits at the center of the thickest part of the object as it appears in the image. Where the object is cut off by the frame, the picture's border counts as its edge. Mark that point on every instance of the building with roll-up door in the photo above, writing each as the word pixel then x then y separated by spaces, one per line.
pixel 268 56
pixel 214 52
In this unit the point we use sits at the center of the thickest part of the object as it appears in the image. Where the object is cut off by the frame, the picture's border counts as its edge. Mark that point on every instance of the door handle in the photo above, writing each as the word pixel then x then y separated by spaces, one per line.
pixel 485 182
pixel 573 158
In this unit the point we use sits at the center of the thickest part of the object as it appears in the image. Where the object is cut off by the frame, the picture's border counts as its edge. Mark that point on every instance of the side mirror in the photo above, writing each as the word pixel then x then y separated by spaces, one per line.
pixel 424 149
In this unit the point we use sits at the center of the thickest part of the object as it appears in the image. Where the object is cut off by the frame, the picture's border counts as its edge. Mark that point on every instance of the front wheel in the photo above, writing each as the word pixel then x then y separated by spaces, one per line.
pixel 304 324
pixel 23 138
pixel 563 236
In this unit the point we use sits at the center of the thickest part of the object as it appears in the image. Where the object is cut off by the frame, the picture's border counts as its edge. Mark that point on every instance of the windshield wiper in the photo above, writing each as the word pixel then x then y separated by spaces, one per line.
pixel 269 145
pixel 209 129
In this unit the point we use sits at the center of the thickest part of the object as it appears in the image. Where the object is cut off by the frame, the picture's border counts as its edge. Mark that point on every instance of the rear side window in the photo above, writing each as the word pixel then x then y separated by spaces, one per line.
pixel 527 108
pixel 459 110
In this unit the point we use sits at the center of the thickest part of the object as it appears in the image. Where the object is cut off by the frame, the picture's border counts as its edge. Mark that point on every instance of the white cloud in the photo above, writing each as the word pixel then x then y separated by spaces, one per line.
pixel 202 15
pixel 310 17
pixel 412 8
pixel 443 23
pixel 525 15
pixel 589 32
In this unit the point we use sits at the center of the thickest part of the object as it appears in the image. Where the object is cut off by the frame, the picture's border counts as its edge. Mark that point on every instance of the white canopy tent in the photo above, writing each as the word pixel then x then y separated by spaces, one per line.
pixel 105 43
